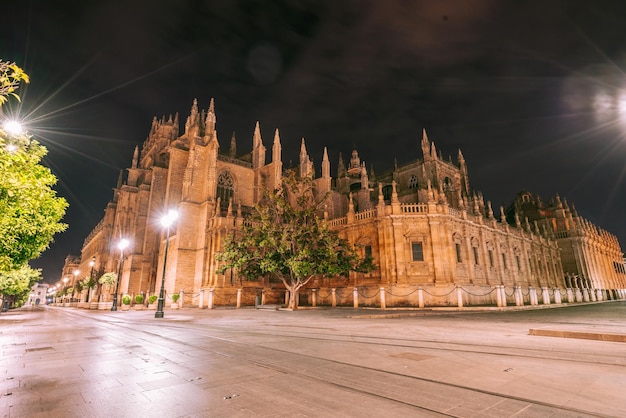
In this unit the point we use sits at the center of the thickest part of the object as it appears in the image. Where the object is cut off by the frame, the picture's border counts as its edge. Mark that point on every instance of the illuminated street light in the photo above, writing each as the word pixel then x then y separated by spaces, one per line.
pixel 91 264
pixel 122 244
pixel 76 273
pixel 13 127
pixel 166 221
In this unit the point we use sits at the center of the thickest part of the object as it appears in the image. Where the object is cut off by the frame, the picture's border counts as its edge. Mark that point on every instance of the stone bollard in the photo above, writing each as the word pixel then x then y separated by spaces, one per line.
pixel 533 295
pixel 599 292
pixel 420 297
pixel 210 298
pixel 557 296
pixel 570 295
pixel 545 294
pixel 334 297
pixel 592 295
pixel 355 297
pixel 519 301
pixel 383 304
pixel 238 298
pixel 262 296
pixel 503 293
pixel 459 296
pixel 498 297
pixel 585 294
pixel 201 301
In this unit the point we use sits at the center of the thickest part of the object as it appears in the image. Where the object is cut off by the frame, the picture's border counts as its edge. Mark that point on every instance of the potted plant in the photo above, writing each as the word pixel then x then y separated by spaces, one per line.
pixel 152 302
pixel 139 302
pixel 125 302
pixel 175 298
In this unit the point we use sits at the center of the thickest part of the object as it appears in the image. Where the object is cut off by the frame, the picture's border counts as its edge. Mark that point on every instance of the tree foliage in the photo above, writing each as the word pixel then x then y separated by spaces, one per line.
pixel 30 210
pixel 15 284
pixel 10 78
pixel 286 238
pixel 108 279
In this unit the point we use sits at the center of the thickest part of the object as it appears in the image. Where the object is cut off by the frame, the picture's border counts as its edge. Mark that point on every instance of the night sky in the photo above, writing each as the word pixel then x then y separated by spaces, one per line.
pixel 532 92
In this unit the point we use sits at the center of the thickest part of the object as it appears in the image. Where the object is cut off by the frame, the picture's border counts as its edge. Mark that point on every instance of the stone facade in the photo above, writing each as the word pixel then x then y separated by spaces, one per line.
pixel 434 239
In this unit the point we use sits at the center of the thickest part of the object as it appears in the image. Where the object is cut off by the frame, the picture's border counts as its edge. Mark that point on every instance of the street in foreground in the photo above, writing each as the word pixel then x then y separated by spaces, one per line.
pixel 65 362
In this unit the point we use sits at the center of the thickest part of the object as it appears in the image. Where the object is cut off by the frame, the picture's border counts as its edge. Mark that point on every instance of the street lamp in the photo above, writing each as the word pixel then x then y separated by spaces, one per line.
pixel 166 221
pixel 91 264
pixel 122 244
pixel 76 273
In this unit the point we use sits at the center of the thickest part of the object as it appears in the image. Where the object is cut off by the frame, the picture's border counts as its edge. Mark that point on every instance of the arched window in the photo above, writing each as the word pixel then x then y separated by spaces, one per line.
pixel 413 182
pixel 225 188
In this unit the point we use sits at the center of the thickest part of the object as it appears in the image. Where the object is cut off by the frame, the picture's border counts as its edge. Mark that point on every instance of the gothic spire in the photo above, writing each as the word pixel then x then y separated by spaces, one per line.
pixel 276 148
pixel 232 152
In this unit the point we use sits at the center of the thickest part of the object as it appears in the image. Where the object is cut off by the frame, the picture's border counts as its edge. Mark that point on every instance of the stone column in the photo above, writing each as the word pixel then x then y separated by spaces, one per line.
pixel 570 295
pixel 383 303
pixel 355 297
pixel 313 297
pixel 585 294
pixel 503 293
pixel 599 292
pixel 498 297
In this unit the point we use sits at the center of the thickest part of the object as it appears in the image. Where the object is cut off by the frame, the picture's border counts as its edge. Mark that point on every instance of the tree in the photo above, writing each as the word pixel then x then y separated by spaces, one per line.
pixel 30 210
pixel 286 238
pixel 15 284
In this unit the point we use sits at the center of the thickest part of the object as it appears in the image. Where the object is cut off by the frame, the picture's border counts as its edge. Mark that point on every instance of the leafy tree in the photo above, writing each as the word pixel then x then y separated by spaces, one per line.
pixel 30 211
pixel 15 285
pixel 108 279
pixel 287 239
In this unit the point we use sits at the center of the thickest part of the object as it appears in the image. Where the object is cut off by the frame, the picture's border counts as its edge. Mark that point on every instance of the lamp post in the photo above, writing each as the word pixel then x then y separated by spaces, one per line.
pixel 122 244
pixel 91 264
pixel 76 273
pixel 166 221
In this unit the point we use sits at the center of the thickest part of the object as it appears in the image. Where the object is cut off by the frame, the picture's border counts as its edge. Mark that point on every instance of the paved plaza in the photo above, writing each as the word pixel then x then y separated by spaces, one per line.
pixel 343 362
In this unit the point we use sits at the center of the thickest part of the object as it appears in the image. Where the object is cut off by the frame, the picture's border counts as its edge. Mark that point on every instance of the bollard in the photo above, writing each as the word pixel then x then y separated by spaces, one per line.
pixel 262 296
pixel 498 297
pixel 570 295
pixel 210 299
pixel 459 296
pixel 334 297
pixel 355 297
pixel 557 296
pixel 599 292
pixel 314 297
pixel 592 295
pixel 519 301
pixel 383 304
pixel 585 294
pixel 238 298
pixel 533 295
pixel 201 302
pixel 503 296
pixel 546 295
pixel 579 295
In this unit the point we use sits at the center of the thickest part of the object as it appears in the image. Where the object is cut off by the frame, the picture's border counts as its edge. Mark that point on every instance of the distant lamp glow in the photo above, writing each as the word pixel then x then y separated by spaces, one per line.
pixel 13 127
pixel 166 221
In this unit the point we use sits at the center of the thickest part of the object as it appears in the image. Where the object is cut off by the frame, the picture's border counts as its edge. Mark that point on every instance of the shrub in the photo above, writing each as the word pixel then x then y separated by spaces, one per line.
pixel 108 278
pixel 126 300
pixel 152 299
pixel 139 299
pixel 175 297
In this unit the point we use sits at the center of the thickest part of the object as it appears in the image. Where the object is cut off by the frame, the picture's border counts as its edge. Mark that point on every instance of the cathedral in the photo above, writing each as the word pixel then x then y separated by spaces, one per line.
pixel 434 239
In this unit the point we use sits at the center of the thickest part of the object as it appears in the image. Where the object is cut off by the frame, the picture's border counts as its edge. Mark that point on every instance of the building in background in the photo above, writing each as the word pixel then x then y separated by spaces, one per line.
pixel 434 239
